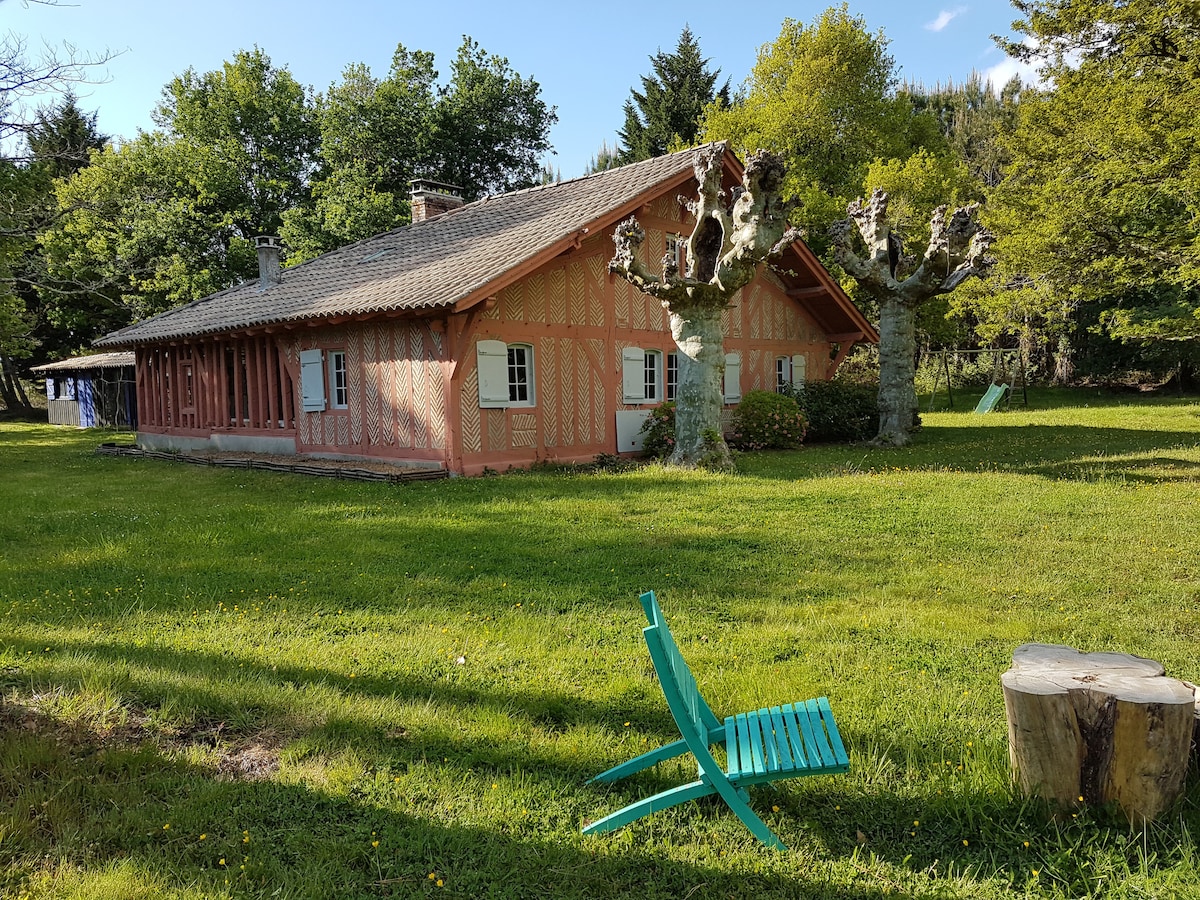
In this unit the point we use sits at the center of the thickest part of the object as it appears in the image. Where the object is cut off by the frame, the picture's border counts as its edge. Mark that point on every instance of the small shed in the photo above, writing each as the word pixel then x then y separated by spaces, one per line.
pixel 95 391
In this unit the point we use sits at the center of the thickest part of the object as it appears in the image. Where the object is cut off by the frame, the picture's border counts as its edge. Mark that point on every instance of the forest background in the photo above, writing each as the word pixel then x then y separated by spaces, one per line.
pixel 1089 178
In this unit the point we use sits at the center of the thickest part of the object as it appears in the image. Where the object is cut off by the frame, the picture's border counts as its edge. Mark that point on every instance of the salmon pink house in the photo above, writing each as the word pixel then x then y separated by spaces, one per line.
pixel 482 335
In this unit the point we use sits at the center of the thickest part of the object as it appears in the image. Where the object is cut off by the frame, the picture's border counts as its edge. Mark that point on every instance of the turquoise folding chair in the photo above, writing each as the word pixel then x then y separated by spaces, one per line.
pixel 766 745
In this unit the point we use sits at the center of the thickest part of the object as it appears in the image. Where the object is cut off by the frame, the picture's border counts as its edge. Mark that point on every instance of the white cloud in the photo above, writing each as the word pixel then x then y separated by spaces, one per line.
pixel 945 17
pixel 1000 74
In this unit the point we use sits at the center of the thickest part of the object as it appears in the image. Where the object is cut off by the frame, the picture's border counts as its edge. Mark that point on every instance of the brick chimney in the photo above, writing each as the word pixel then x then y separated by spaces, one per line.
pixel 431 199
pixel 269 271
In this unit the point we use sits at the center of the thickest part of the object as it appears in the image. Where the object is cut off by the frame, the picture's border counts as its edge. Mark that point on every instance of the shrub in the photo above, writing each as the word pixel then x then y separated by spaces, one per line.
pixel 659 429
pixel 765 420
pixel 839 410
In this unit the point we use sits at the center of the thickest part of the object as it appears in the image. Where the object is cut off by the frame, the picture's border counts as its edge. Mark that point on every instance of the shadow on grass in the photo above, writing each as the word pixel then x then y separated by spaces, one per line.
pixel 90 801
pixel 1058 452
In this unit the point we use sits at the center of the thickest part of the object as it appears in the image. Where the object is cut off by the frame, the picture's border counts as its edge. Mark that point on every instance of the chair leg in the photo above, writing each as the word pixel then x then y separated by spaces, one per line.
pixel 645 761
pixel 664 800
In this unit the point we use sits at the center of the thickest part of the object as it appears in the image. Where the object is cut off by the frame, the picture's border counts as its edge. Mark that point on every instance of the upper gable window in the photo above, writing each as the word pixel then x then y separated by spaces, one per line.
pixel 677 251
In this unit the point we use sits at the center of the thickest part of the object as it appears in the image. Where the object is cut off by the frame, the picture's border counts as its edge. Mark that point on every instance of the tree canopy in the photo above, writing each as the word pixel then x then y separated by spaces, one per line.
pixel 1099 204
pixel 822 96
pixel 667 112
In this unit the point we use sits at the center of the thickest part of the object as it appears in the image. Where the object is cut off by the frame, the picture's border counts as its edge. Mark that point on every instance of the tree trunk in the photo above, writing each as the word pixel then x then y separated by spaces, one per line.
pixel 1064 362
pixel 699 440
pixel 897 372
pixel 1097 728
pixel 10 387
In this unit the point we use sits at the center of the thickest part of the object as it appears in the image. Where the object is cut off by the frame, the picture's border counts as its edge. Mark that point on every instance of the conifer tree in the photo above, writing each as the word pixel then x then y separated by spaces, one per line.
pixel 667 111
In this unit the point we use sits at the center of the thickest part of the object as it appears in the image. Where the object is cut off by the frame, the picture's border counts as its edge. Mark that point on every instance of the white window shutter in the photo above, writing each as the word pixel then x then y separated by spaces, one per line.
pixel 50 389
pixel 70 383
pixel 312 380
pixel 799 365
pixel 492 359
pixel 733 378
pixel 633 375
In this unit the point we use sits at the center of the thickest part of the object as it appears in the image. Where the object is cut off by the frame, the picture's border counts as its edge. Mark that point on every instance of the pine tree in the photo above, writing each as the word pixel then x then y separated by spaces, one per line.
pixel 667 111
pixel 605 158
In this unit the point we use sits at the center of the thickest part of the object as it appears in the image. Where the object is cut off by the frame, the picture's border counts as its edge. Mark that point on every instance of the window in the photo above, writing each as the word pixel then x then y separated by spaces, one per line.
pixel 506 376
pixel 672 375
pixel 783 373
pixel 641 375
pixel 519 382
pixel 338 390
pixel 677 251
pixel 789 371
pixel 653 371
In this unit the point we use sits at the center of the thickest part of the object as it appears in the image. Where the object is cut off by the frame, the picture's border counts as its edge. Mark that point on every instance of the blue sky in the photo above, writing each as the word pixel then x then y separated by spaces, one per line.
pixel 586 64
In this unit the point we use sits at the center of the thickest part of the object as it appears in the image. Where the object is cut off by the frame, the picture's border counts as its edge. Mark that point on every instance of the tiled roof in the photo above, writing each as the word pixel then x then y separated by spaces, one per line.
pixel 426 265
pixel 94 361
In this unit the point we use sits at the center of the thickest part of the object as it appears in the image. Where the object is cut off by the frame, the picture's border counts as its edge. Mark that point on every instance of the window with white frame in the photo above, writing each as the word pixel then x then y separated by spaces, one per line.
pixel 506 376
pixel 520 375
pixel 672 375
pixel 789 371
pixel 339 395
pixel 641 375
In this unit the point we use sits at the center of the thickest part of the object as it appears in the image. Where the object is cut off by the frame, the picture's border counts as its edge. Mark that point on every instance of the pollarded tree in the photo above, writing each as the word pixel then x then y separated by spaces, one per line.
pixel 724 251
pixel 868 248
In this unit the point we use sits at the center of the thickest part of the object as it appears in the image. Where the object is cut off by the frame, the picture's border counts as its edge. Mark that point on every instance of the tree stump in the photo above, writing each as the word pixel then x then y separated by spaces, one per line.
pixel 1097 728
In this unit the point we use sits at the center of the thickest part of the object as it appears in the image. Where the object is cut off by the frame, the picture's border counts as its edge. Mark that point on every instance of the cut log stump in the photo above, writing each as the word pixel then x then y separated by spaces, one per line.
pixel 1097 728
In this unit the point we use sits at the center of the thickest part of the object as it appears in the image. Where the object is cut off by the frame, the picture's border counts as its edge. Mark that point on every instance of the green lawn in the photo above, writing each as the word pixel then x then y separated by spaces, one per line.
pixel 230 683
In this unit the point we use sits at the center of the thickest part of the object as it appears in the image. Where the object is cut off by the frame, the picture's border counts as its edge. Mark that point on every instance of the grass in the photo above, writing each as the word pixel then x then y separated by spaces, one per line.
pixel 221 683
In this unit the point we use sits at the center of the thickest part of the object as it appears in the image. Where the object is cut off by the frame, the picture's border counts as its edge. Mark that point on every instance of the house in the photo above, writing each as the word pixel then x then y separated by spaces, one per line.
pixel 482 335
pixel 95 391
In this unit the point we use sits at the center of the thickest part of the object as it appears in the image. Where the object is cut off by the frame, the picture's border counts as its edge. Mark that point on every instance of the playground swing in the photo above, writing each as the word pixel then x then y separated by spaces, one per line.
pixel 1008 370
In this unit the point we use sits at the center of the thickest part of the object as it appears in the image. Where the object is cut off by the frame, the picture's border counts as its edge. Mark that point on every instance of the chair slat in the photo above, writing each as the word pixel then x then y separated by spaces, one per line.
pixel 811 748
pixel 756 744
pixel 781 740
pixel 814 716
pixel 733 763
pixel 835 738
pixel 799 754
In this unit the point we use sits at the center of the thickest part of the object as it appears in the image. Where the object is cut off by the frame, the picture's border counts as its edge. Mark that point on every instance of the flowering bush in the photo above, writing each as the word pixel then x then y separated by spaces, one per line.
pixel 659 429
pixel 765 420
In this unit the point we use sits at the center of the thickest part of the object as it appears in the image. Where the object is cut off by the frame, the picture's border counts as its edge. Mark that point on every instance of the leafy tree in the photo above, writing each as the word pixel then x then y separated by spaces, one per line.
pixel 490 127
pixel 667 112
pixel 486 131
pixel 1100 202
pixel 974 118
pixel 22 193
pixel 375 136
pixel 256 123
pixel 145 227
pixel 822 96
pixel 169 217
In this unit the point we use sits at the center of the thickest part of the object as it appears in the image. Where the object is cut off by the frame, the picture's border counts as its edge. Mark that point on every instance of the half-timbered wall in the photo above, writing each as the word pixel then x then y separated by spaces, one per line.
pixel 578 319
pixel 395 392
